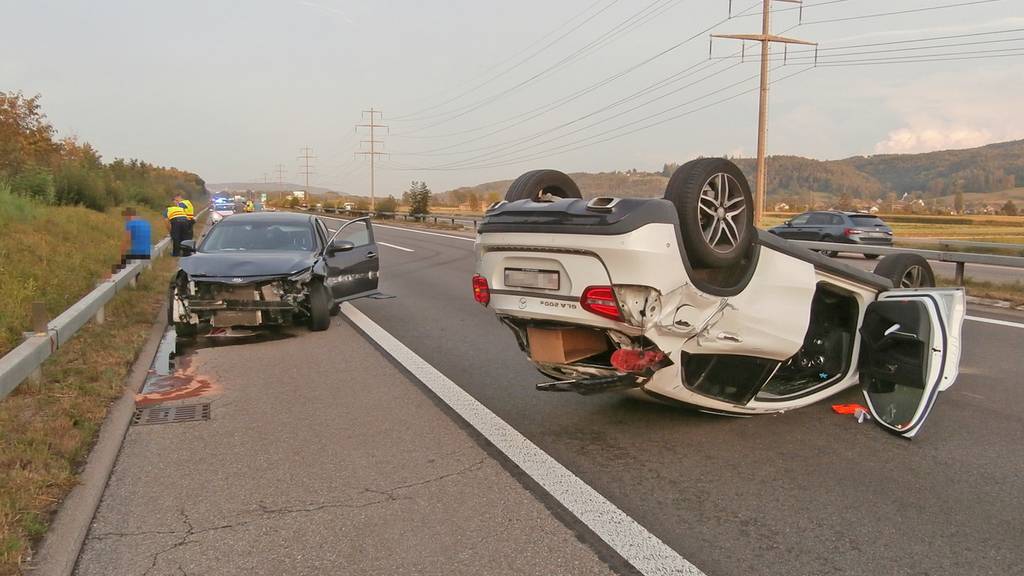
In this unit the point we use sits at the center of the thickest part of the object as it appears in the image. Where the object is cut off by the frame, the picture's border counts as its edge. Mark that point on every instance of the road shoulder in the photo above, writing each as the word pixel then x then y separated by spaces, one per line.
pixel 342 467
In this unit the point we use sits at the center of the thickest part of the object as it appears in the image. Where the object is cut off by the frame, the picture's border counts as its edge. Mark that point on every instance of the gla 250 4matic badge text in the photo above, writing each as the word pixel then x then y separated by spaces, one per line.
pixel 683 299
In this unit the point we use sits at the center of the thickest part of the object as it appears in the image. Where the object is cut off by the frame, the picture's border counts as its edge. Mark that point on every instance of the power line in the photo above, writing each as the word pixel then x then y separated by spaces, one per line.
pixel 543 109
pixel 372 152
pixel 607 37
pixel 406 117
pixel 899 12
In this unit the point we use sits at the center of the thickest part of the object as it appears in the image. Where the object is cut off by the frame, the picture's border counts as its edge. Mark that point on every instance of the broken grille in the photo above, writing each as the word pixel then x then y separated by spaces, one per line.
pixel 171 414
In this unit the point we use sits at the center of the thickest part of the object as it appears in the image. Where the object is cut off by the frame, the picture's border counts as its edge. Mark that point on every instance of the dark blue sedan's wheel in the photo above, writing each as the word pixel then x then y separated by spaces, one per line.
pixel 319 307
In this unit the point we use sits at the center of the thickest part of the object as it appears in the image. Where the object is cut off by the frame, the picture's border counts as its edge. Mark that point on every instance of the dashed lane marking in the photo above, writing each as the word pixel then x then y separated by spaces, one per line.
pixel 396 247
pixel 626 536
pixel 375 225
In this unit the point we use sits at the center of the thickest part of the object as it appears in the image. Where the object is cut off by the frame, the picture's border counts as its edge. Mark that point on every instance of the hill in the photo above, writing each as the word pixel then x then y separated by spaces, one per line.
pixel 984 174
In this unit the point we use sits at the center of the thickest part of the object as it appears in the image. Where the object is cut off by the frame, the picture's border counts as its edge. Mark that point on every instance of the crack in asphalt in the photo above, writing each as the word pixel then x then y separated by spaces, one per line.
pixel 187 535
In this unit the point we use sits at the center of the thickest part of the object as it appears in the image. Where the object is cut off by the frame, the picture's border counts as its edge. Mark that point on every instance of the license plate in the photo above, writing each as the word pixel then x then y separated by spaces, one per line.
pixel 531 278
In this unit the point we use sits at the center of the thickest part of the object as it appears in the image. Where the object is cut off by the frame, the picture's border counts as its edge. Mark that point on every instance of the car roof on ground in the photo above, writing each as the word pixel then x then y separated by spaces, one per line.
pixel 270 217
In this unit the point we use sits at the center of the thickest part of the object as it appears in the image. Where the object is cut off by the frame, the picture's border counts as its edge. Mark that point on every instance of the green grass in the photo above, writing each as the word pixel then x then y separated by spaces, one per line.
pixel 53 254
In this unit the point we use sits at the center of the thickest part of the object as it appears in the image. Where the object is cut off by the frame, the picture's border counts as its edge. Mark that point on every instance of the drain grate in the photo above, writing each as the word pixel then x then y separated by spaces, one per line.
pixel 171 414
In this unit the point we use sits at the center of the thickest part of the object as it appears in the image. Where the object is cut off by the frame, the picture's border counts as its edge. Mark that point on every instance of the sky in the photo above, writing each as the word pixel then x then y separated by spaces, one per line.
pixel 478 90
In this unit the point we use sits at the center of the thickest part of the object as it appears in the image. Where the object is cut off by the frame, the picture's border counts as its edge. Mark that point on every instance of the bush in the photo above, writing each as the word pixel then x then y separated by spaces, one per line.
pixel 77 185
pixel 35 183
pixel 388 204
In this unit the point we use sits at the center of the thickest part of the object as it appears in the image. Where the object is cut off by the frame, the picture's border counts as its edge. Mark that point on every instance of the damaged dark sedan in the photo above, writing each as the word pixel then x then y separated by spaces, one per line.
pixel 265 269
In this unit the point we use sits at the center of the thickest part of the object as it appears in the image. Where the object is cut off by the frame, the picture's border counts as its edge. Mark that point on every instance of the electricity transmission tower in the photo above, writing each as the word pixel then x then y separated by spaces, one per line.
pixel 306 157
pixel 280 180
pixel 766 38
pixel 372 152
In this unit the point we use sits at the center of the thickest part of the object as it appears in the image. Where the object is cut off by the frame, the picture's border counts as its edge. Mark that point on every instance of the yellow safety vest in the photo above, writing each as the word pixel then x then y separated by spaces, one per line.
pixel 175 211
pixel 189 210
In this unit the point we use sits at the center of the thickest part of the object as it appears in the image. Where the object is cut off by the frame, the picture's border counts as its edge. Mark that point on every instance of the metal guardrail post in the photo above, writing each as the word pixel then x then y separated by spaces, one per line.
pixel 960 273
pixel 39 317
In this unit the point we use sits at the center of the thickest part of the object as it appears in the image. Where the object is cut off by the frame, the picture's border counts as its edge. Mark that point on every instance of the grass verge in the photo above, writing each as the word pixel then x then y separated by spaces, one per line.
pixel 1012 292
pixel 53 254
pixel 47 430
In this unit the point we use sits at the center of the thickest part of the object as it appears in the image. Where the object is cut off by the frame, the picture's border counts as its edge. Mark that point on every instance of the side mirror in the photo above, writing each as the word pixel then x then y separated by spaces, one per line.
pixel 188 247
pixel 788 222
pixel 339 246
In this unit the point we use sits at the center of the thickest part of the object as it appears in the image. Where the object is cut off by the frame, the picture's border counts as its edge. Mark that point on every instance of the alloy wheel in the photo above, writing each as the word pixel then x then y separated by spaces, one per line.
pixel 721 206
pixel 912 277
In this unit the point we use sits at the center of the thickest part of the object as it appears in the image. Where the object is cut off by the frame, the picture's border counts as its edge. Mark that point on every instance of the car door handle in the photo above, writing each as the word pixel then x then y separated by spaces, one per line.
pixel 371 255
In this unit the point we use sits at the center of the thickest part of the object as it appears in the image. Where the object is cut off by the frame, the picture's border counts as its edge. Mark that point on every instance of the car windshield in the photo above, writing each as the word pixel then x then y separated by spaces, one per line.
pixel 263 236
pixel 866 220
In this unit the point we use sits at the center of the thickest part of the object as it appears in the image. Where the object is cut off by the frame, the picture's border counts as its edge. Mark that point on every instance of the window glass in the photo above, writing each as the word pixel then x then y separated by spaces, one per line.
pixel 837 220
pixel 801 219
pixel 357 233
pixel 819 219
pixel 245 235
pixel 866 220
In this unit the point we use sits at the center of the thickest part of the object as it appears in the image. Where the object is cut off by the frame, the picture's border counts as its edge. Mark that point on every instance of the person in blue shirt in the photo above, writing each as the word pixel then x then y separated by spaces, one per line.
pixel 137 237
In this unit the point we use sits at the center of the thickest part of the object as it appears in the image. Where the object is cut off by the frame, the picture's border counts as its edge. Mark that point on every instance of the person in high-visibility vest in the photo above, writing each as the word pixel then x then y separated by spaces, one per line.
pixel 190 213
pixel 249 207
pixel 178 224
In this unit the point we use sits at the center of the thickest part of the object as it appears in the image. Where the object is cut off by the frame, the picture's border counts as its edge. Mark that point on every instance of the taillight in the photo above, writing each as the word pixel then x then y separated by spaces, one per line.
pixel 481 291
pixel 601 301
pixel 852 232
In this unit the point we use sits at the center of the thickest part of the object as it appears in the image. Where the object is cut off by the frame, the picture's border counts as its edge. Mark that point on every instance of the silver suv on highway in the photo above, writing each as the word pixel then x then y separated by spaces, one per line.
pixel 839 227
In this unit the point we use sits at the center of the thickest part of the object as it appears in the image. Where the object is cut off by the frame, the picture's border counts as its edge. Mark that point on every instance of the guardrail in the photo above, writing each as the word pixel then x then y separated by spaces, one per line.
pixel 25 360
pixel 961 259
pixel 468 221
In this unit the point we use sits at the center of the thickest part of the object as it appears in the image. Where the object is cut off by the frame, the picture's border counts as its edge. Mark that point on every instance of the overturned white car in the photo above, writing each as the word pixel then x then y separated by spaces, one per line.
pixel 684 300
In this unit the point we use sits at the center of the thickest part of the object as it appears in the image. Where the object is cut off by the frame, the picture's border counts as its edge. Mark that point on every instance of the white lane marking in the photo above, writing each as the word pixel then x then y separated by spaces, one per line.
pixel 994 321
pixel 632 541
pixel 407 230
pixel 397 247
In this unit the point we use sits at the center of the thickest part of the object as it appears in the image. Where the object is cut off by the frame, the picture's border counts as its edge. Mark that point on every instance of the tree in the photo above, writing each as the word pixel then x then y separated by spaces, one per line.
pixel 845 202
pixel 1009 209
pixel 958 202
pixel 474 201
pixel 389 204
pixel 418 198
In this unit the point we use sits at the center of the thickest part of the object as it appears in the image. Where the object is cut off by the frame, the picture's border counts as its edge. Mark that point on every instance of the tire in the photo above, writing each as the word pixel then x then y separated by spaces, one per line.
pixel 702 190
pixel 319 307
pixel 906 271
pixel 829 253
pixel 531 185
pixel 870 256
pixel 335 310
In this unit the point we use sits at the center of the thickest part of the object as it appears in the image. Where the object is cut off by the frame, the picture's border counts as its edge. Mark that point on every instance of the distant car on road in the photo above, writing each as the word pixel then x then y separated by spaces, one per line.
pixel 839 227
pixel 222 208
pixel 269 269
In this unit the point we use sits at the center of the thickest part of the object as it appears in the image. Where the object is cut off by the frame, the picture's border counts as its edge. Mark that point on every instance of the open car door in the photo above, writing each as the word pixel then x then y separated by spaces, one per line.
pixel 353 264
pixel 910 351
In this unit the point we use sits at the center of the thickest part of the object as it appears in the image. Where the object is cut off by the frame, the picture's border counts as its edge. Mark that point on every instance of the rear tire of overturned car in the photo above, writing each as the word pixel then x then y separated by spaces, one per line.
pixel 906 271
pixel 319 307
pixel 534 184
pixel 716 211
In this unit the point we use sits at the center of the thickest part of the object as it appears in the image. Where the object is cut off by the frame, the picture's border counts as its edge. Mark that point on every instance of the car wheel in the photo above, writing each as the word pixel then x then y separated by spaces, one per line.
pixel 829 253
pixel 336 309
pixel 906 271
pixel 716 211
pixel 535 184
pixel 870 256
pixel 319 307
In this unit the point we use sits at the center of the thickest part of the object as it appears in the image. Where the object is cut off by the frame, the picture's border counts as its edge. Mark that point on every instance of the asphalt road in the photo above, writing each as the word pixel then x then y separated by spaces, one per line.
pixel 806 492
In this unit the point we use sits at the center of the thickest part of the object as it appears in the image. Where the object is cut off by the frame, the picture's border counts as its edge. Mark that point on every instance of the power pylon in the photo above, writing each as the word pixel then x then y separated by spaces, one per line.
pixel 306 157
pixel 280 180
pixel 765 38
pixel 372 152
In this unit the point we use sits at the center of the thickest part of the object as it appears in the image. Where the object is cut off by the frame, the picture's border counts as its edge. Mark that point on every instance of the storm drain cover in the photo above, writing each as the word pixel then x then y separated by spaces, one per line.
pixel 171 414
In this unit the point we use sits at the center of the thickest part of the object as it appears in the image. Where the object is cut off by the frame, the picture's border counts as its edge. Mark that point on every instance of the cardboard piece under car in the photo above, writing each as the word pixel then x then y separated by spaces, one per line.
pixel 564 345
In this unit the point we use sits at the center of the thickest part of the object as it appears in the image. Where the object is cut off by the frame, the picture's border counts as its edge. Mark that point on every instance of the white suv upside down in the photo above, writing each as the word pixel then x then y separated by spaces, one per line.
pixel 684 300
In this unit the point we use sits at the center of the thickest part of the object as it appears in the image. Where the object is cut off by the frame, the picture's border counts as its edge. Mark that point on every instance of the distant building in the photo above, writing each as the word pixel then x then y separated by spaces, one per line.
pixel 782 207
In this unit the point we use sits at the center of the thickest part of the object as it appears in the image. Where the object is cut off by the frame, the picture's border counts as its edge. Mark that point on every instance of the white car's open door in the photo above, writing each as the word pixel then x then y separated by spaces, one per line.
pixel 910 351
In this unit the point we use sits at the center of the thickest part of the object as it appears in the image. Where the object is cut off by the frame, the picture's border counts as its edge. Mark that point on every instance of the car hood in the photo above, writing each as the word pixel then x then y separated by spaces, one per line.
pixel 248 265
